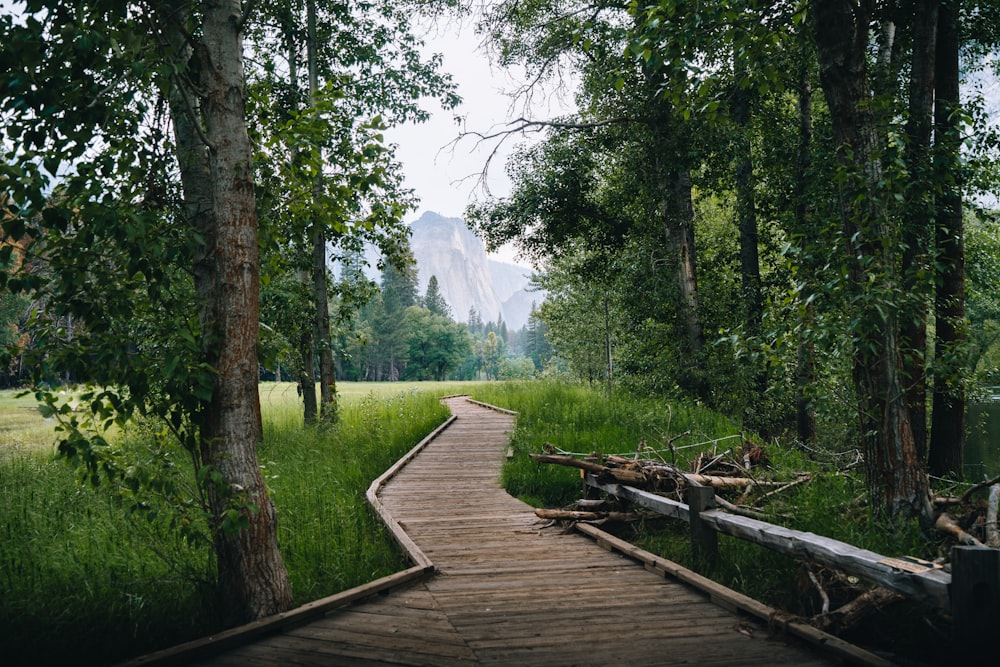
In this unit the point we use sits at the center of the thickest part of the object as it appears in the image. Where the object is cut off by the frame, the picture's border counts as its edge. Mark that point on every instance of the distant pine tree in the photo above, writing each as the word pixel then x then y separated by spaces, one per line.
pixel 476 325
pixel 434 300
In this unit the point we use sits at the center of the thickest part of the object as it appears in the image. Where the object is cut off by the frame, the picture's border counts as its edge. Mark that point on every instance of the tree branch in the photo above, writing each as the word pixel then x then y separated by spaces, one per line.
pixel 247 10
pixel 978 487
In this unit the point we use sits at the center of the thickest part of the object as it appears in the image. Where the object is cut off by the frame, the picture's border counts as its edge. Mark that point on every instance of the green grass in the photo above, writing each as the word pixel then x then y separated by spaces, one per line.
pixel 22 427
pixel 580 419
pixel 83 581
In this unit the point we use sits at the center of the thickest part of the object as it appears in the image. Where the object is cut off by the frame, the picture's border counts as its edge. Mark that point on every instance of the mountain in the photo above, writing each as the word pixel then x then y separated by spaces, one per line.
pixel 467 277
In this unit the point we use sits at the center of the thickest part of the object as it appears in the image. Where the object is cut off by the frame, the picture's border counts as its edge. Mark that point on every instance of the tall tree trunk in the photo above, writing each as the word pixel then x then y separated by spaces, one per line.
pixel 678 223
pixel 608 352
pixel 948 429
pixel 917 217
pixel 327 380
pixel 688 271
pixel 305 373
pixel 895 478
pixel 307 376
pixel 746 208
pixel 252 577
pixel 805 414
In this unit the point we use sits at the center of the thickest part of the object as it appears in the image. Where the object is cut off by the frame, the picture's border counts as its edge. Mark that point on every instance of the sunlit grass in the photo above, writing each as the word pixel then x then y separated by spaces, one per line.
pixel 22 425
pixel 580 419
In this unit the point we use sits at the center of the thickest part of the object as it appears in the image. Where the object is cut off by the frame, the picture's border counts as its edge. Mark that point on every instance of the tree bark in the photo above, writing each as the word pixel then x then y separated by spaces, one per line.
pixel 327 380
pixel 917 217
pixel 683 213
pixel 307 376
pixel 948 422
pixel 252 578
pixel 805 414
pixel 746 208
pixel 895 478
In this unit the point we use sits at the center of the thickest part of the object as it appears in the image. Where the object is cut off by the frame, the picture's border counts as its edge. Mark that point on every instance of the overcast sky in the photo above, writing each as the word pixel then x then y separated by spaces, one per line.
pixel 445 174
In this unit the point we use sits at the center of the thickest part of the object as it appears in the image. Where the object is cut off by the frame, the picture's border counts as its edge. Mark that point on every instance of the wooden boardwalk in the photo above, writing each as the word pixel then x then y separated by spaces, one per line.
pixel 508 591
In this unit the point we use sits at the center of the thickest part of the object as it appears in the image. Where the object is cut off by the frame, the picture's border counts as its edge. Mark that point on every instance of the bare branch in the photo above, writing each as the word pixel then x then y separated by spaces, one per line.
pixel 978 487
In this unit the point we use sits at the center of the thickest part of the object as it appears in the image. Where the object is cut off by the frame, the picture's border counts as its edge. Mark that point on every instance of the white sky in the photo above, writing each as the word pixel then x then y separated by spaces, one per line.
pixel 443 173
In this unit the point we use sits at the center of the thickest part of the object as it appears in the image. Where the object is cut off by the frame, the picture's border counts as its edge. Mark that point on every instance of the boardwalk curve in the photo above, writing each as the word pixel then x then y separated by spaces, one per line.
pixel 507 591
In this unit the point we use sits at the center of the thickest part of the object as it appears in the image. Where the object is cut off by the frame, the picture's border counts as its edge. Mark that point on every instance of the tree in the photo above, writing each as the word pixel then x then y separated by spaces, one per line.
pixel 581 323
pixel 436 344
pixel 537 346
pixel 97 133
pixel 388 345
pixel 947 443
pixel 491 355
pixel 434 301
pixel 475 322
pixel 894 470
pixel 331 179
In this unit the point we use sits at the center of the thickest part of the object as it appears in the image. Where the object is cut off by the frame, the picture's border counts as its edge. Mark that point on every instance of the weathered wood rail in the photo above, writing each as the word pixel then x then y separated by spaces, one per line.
pixel 491 586
pixel 973 589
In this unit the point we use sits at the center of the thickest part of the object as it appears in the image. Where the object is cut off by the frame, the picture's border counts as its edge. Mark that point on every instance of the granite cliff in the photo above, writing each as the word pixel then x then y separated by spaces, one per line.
pixel 467 277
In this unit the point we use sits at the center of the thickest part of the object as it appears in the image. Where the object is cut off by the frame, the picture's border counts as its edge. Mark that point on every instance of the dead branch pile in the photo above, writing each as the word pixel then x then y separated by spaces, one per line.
pixel 741 471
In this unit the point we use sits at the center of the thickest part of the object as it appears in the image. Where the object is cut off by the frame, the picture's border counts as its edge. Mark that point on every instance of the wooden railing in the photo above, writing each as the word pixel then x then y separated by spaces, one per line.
pixel 971 591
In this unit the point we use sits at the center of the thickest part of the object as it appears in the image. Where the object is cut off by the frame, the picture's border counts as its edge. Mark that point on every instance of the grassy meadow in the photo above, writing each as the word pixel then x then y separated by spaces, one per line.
pixel 85 580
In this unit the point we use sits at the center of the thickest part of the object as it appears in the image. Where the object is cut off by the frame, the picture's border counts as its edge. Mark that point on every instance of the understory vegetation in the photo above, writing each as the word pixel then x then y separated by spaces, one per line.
pixel 580 420
pixel 89 577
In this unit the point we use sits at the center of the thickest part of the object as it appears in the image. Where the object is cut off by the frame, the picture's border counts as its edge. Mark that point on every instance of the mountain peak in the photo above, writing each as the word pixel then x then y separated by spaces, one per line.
pixel 446 248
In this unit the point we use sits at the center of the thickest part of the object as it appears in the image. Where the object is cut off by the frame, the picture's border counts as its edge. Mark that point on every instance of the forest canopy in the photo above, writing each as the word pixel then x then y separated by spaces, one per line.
pixel 764 207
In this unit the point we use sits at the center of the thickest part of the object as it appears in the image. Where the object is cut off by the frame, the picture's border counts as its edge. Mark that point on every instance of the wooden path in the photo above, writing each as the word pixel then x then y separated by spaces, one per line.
pixel 508 591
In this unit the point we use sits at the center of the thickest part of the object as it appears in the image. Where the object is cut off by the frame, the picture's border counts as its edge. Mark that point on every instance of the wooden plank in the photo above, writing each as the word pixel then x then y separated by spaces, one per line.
pixel 740 601
pixel 490 407
pixel 245 633
pixel 413 551
pixel 665 506
pixel 318 652
pixel 929 586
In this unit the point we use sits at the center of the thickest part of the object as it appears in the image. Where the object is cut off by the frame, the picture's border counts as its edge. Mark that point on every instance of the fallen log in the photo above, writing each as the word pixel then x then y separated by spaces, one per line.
pixel 717 482
pixel 741 511
pixel 591 504
pixel 857 610
pixel 580 515
pixel 604 473
pixel 623 471
pixel 947 525
pixel 978 487
pixel 571 461
pixel 801 480
pixel 945 501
